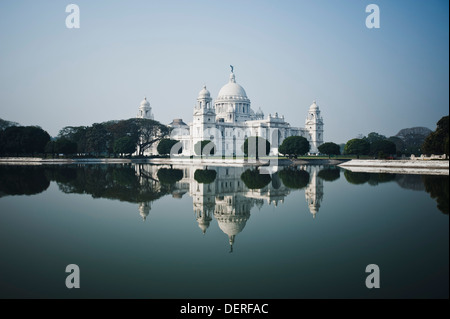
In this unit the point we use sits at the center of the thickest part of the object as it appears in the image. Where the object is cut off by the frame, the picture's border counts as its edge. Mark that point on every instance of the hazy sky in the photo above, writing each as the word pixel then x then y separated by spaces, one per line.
pixel 286 54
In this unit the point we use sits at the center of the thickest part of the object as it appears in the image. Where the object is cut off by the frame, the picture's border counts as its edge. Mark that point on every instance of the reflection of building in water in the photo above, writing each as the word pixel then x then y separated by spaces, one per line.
pixel 144 210
pixel 314 190
pixel 227 198
pixel 148 179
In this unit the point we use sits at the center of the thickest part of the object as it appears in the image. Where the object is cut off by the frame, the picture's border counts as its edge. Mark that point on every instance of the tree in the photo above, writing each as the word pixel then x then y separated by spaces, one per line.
pixel 400 145
pixel 436 141
pixel 50 148
pixel 127 130
pixel 356 178
pixel 329 174
pixel 23 179
pixel 412 139
pixel 254 180
pixel 66 147
pixel 202 147
pixel 23 140
pixel 169 176
pixel 374 137
pixel 125 145
pixel 259 146
pixel 438 188
pixel 357 147
pixel 294 146
pixel 5 124
pixel 165 146
pixel 205 176
pixel 97 139
pixel 330 148
pixel 294 178
pixel 149 132
pixel 381 148
pixel 76 134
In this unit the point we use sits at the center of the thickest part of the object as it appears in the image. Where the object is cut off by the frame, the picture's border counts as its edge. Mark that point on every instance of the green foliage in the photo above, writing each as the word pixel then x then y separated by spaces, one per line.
pixel 23 140
pixel 165 146
pixel 22 180
pixel 125 145
pixel 382 147
pixel 329 174
pixel 436 141
pixel 438 188
pixel 100 138
pixel 357 146
pixel 202 147
pixel 409 140
pixel 294 178
pixel 374 137
pixel 5 124
pixel 330 148
pixel 400 146
pixel 446 149
pixel 254 180
pixel 356 178
pixel 294 146
pixel 149 132
pixel 76 134
pixel 96 139
pixel 107 181
pixel 169 176
pixel 205 176
pixel 372 179
pixel 259 146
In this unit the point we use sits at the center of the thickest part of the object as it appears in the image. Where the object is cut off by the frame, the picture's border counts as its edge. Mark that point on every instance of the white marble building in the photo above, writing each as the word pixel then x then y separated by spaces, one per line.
pixel 230 119
pixel 145 111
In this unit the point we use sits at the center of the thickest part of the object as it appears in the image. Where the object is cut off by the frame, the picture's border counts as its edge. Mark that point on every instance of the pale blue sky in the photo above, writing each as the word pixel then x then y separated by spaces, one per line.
pixel 285 53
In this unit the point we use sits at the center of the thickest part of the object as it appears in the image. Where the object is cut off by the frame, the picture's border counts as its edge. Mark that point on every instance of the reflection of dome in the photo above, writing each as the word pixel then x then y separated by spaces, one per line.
pixel 204 93
pixel 232 225
pixel 144 210
pixel 203 225
pixel 232 90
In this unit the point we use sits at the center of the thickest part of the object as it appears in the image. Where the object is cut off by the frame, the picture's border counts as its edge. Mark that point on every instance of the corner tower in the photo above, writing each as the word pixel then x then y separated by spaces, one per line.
pixel 314 126
pixel 204 117
pixel 145 111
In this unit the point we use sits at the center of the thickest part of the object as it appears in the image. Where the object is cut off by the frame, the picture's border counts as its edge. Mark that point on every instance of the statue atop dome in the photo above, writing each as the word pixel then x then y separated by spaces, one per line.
pixel 232 68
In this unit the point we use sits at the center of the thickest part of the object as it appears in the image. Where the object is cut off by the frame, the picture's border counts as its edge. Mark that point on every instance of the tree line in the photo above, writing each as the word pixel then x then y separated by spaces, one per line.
pixel 123 137
pixel 126 137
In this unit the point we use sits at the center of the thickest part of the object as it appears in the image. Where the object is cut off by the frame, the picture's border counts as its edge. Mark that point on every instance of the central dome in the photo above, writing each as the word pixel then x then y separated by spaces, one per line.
pixel 232 90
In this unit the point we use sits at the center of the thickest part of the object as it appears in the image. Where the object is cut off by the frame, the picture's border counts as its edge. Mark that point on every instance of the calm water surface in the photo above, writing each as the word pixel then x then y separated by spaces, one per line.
pixel 143 231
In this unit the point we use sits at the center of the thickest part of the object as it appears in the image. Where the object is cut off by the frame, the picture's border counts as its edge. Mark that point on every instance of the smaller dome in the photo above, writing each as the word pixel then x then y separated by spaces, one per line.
pixel 260 112
pixel 314 106
pixel 204 93
pixel 145 102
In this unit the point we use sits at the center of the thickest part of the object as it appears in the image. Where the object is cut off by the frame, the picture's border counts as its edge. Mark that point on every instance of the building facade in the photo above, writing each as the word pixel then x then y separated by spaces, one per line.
pixel 229 120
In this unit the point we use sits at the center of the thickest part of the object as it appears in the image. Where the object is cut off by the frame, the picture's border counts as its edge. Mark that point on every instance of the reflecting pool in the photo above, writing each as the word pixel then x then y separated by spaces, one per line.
pixel 148 231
